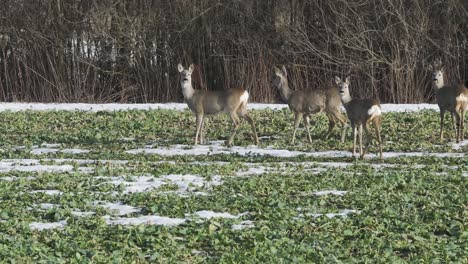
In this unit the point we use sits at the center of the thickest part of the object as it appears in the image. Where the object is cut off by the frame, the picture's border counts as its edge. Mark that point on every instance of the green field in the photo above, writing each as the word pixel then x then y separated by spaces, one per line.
pixel 79 187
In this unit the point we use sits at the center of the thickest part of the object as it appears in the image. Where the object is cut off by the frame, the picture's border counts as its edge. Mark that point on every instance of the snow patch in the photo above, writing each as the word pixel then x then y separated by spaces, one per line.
pixel 459 146
pixel 7 166
pixel 216 148
pixel 342 213
pixel 329 192
pixel 43 226
pixel 243 225
pixel 185 183
pixel 210 214
pixel 15 107
pixel 146 220
pixel 119 208
pixel 48 192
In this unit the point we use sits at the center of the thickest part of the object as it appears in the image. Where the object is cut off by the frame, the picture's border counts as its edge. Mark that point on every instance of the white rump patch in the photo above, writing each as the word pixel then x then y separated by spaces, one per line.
pixel 462 98
pixel 244 98
pixel 374 111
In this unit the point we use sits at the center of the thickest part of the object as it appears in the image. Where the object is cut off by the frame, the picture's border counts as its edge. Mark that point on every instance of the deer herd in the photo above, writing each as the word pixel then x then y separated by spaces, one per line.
pixel 360 112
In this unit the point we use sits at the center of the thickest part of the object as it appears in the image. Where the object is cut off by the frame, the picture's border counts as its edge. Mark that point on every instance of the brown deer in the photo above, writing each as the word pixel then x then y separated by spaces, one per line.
pixel 453 99
pixel 202 103
pixel 306 103
pixel 360 113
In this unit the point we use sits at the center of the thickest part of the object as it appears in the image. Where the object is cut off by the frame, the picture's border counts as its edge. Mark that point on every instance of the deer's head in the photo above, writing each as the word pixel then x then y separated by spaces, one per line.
pixel 280 77
pixel 343 88
pixel 185 74
pixel 437 74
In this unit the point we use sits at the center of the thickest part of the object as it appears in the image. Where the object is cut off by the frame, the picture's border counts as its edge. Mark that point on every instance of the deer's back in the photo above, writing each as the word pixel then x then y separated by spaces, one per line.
pixel 307 102
pixel 213 102
pixel 358 109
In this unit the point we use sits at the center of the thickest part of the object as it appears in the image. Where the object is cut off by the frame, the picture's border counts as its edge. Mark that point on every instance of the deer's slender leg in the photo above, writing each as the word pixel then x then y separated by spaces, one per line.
pixel 199 120
pixel 462 124
pixel 243 113
pixel 341 119
pixel 456 117
pixel 202 131
pixel 306 121
pixel 353 125
pixel 331 125
pixel 297 121
pixel 368 138
pixel 379 139
pixel 453 122
pixel 235 123
pixel 360 142
pixel 442 112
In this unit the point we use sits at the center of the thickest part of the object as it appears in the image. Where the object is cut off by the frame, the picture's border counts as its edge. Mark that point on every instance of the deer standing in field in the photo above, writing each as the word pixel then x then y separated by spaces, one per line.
pixel 202 103
pixel 360 113
pixel 453 99
pixel 306 103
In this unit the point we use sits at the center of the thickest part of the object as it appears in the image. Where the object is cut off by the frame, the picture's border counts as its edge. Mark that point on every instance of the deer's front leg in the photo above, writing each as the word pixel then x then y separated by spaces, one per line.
pixel 202 131
pixel 354 138
pixel 442 112
pixel 199 121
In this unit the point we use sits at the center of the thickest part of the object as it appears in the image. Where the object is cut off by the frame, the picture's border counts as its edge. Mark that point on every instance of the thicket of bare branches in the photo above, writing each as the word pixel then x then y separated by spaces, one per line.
pixel 127 51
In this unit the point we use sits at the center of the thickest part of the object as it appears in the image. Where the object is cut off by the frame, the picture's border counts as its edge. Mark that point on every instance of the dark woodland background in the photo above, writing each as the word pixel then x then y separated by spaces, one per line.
pixel 128 51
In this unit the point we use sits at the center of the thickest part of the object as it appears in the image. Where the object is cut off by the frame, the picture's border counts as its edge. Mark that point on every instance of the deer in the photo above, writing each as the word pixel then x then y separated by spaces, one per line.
pixel 305 103
pixel 452 99
pixel 360 113
pixel 201 103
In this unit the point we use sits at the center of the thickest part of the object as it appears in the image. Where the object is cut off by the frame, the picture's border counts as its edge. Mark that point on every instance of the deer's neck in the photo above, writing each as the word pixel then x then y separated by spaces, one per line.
pixel 346 98
pixel 187 90
pixel 439 83
pixel 285 91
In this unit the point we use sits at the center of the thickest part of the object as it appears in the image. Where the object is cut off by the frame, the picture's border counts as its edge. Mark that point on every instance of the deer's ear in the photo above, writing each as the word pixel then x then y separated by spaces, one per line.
pixel 180 67
pixel 347 80
pixel 430 67
pixel 285 72
pixel 442 68
pixel 277 71
pixel 191 67
pixel 337 80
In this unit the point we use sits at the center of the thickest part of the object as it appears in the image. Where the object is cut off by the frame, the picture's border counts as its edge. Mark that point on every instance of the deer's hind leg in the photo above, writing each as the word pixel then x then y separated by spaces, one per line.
pixel 331 125
pixel 377 122
pixel 361 152
pixel 306 123
pixel 342 120
pixel 353 126
pixel 462 123
pixel 243 113
pixel 456 118
pixel 235 125
pixel 297 121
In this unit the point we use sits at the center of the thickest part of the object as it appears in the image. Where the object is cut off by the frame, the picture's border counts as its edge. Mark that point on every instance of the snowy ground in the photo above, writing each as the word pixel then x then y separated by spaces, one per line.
pixel 186 184
pixel 174 106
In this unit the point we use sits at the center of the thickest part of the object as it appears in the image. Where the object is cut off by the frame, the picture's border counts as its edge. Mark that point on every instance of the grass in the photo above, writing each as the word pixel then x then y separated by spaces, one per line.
pixel 409 209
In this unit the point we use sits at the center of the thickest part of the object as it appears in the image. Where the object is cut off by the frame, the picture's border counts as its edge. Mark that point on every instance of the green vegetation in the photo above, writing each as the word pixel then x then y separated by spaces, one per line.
pixel 408 209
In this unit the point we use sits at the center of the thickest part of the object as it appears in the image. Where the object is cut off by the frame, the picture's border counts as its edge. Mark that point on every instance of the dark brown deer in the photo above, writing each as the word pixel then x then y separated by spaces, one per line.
pixel 360 113
pixel 452 99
